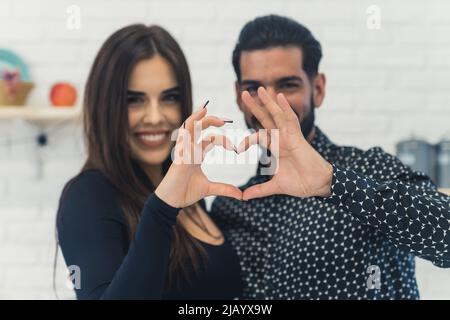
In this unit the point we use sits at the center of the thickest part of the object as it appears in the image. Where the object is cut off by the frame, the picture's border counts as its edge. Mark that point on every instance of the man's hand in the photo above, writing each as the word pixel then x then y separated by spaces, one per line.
pixel 302 171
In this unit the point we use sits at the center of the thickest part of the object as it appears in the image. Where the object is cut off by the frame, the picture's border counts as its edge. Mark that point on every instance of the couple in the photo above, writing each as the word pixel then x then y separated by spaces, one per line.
pixel 331 223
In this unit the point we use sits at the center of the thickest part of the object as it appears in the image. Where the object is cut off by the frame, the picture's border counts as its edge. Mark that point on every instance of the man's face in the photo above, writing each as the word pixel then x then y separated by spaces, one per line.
pixel 279 70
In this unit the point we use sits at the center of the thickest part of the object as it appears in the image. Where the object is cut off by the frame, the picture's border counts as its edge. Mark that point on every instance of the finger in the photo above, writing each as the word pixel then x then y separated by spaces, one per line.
pixel 292 121
pixel 260 190
pixel 274 109
pixel 180 135
pixel 182 145
pixel 286 107
pixel 218 140
pixel 209 121
pixel 196 116
pixel 262 138
pixel 260 113
pixel 213 140
pixel 192 125
pixel 225 190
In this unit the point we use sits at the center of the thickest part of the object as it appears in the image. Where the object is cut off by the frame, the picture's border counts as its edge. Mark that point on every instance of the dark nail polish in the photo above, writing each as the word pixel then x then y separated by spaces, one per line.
pixel 226 120
pixel 206 104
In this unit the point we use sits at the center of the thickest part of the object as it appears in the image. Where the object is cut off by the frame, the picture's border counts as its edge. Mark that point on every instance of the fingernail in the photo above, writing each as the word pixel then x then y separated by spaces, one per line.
pixel 184 124
pixel 226 120
pixel 234 148
pixel 206 104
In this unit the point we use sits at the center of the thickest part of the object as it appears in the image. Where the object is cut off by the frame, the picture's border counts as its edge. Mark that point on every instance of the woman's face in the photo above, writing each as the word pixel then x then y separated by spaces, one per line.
pixel 154 110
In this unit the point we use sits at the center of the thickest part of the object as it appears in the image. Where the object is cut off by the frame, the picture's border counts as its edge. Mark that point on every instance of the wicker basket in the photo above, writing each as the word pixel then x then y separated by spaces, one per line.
pixel 21 97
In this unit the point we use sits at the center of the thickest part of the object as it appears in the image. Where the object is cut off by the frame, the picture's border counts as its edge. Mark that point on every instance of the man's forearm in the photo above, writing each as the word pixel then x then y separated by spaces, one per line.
pixel 412 213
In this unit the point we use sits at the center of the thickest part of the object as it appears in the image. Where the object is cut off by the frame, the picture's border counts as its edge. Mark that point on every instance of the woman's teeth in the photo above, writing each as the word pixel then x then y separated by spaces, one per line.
pixel 153 137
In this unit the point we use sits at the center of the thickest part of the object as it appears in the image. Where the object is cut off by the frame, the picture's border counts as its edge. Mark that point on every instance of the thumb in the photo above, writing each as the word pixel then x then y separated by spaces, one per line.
pixel 260 190
pixel 223 189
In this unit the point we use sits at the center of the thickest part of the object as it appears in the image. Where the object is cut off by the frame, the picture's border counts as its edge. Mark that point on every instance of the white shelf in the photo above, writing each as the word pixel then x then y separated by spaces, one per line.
pixel 40 115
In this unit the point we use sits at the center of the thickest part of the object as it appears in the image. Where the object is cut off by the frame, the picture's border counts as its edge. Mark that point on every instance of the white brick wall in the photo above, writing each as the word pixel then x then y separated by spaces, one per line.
pixel 383 85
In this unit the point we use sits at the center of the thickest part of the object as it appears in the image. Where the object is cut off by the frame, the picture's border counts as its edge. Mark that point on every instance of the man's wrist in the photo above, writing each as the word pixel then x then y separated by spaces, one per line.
pixel 325 191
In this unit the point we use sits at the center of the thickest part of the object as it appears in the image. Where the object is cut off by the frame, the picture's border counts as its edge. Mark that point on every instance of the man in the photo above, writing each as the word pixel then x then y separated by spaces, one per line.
pixel 332 222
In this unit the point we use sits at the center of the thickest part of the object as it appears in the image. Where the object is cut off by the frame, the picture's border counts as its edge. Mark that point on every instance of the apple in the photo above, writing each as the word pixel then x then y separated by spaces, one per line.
pixel 63 94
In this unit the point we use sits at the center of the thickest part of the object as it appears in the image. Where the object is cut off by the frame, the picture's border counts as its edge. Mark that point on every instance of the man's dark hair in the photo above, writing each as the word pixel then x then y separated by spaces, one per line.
pixel 273 31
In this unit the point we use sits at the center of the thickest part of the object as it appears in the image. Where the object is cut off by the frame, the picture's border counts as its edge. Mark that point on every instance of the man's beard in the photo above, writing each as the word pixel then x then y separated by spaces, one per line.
pixel 307 124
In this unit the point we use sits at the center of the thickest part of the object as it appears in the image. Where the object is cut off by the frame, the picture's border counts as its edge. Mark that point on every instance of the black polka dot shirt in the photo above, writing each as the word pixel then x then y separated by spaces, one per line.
pixel 359 243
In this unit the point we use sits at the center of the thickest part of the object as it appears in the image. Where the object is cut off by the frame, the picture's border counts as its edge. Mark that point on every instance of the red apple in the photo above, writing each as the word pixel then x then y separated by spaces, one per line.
pixel 63 94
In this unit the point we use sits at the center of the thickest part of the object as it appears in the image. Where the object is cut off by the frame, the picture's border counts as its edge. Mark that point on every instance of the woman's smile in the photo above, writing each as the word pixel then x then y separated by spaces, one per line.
pixel 152 138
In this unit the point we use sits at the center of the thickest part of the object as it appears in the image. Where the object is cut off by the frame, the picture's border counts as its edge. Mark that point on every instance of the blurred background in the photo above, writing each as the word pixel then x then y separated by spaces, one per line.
pixel 387 64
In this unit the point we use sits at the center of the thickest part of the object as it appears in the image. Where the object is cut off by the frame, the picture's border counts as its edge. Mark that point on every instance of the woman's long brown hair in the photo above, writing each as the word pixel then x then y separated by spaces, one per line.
pixel 105 120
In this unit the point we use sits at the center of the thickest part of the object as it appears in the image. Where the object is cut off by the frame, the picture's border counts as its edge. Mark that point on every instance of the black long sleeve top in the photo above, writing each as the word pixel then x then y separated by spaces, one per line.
pixel 93 235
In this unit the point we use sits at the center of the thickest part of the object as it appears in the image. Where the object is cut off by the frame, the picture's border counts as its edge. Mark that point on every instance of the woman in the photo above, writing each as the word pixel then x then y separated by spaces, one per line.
pixel 120 219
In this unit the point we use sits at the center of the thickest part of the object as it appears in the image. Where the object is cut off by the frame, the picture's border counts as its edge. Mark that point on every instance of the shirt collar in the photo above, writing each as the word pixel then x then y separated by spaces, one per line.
pixel 322 144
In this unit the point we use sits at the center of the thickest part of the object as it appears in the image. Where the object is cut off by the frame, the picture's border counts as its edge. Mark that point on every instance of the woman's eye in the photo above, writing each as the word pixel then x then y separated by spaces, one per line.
pixel 173 97
pixel 135 100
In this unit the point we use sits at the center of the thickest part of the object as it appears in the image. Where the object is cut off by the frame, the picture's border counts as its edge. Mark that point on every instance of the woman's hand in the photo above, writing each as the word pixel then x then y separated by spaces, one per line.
pixel 301 171
pixel 185 183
